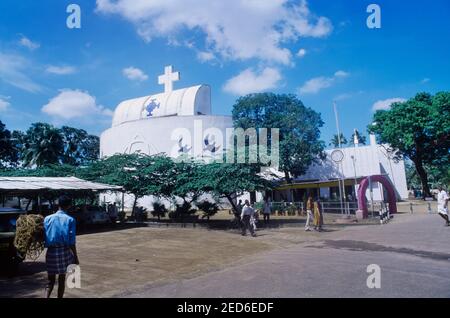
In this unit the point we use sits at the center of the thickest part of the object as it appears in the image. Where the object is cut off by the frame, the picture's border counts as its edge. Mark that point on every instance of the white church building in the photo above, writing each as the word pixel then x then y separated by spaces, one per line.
pixel 171 123
pixel 168 123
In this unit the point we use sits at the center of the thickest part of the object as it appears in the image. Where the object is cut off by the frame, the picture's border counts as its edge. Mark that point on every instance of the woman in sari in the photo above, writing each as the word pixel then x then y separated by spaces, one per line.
pixel 318 219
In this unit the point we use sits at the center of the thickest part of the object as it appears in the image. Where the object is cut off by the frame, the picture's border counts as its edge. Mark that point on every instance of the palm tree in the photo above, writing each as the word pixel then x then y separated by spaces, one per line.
pixel 43 145
pixel 335 141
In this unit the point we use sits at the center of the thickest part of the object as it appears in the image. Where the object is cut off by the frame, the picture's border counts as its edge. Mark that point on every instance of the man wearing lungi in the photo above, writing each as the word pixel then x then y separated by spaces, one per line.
pixel 60 242
pixel 442 198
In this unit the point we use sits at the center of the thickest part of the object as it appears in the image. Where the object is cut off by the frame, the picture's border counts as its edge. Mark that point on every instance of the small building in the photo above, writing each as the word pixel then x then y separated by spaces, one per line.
pixel 357 163
pixel 21 192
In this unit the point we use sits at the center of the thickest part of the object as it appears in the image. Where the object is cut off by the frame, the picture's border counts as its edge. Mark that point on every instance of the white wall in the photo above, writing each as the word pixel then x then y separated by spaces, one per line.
pixel 161 134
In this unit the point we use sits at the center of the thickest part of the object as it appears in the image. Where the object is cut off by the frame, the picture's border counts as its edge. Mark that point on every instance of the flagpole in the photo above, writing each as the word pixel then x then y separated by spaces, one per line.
pixel 340 145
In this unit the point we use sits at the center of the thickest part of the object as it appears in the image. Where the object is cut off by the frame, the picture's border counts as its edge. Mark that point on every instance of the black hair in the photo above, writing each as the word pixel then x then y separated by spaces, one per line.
pixel 64 201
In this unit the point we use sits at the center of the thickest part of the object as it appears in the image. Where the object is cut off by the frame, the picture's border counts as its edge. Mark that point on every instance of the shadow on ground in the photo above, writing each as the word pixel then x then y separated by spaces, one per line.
pixel 362 246
pixel 26 282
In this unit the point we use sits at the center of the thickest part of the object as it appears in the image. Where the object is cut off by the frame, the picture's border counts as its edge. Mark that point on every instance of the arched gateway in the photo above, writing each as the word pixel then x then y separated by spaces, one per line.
pixel 364 184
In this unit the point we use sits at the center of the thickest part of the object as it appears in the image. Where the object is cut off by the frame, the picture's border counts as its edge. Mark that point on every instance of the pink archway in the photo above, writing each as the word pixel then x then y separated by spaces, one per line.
pixel 364 184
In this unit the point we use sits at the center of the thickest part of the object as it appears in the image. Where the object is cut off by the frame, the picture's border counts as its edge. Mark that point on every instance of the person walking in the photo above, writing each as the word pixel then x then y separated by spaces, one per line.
pixel 247 213
pixel 113 213
pixel 318 219
pixel 266 211
pixel 60 232
pixel 442 198
pixel 237 215
pixel 309 213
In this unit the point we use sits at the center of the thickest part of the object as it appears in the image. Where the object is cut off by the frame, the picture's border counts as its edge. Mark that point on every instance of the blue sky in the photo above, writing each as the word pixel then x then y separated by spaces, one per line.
pixel 320 50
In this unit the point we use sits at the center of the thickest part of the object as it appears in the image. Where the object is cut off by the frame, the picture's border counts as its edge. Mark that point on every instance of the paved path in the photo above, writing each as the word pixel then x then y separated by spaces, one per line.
pixel 413 252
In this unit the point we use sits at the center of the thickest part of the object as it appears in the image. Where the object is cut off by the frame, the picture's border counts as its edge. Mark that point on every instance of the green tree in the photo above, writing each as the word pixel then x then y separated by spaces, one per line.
pixel 43 145
pixel 299 128
pixel 412 180
pixel 18 139
pixel 138 174
pixel 188 180
pixel 80 148
pixel 53 170
pixel 226 180
pixel 419 129
pixel 8 151
pixel 335 141
pixel 437 175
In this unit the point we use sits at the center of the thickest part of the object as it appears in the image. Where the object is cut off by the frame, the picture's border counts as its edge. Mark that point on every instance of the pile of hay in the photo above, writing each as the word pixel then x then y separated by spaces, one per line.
pixel 29 239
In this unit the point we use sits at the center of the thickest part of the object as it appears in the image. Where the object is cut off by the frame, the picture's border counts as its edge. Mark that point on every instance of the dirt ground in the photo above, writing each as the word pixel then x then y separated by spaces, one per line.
pixel 125 259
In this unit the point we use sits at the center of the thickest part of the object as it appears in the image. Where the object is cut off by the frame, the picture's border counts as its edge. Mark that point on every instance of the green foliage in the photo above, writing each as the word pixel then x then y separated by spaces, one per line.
pixel 209 208
pixel 159 210
pixel 335 141
pixel 437 175
pixel 42 145
pixel 412 179
pixel 139 214
pixel 160 176
pixel 45 171
pixel 225 180
pixel 182 210
pixel 8 151
pixel 137 173
pixel 418 129
pixel 299 128
pixel 80 148
pixel 190 184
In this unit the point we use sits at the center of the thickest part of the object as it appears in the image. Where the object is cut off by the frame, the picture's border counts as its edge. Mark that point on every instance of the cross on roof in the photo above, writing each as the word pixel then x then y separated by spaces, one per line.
pixel 168 78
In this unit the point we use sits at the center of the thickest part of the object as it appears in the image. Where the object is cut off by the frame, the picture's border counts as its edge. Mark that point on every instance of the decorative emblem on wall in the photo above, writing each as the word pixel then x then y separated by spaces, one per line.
pixel 138 145
pixel 337 155
pixel 151 107
pixel 183 148
pixel 210 145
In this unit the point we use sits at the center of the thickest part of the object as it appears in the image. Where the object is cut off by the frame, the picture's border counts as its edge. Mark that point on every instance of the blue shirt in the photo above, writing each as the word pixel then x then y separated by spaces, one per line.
pixel 59 229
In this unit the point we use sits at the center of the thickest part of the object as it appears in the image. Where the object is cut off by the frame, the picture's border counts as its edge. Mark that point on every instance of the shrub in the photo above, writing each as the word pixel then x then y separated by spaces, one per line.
pixel 209 208
pixel 159 210
pixel 140 214
pixel 183 210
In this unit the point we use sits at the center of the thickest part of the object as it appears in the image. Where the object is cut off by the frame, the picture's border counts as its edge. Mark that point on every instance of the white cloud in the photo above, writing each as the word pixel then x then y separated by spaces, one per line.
pixel 26 42
pixel 315 85
pixel 73 104
pixel 13 70
pixel 341 74
pixel 425 80
pixel 4 104
pixel 235 30
pixel 301 53
pixel 134 74
pixel 205 56
pixel 60 70
pixel 386 104
pixel 250 82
